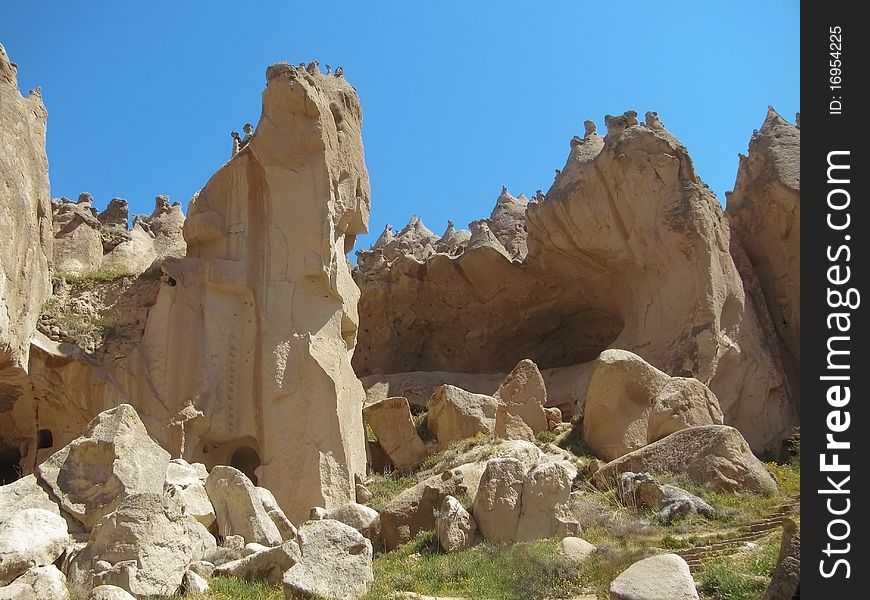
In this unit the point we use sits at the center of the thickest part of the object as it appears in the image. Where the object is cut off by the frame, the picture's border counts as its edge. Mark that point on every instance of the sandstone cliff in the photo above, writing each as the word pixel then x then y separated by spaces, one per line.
pixel 628 249
pixel 25 219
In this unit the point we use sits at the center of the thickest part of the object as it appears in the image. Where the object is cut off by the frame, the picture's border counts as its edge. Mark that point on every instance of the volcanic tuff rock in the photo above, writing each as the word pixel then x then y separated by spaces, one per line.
pixel 628 249
pixel 765 214
pixel 25 220
pixel 655 578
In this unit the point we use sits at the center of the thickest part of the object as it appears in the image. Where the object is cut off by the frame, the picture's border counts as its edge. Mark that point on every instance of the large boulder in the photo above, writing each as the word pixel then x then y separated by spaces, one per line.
pixel 147 543
pixel 184 483
pixel 267 565
pixel 390 420
pixel 32 537
pixel 113 458
pixel 17 591
pixel 238 507
pixel 48 582
pixel 454 526
pixel 662 577
pixel 25 220
pixel 630 403
pixel 523 394
pixel 109 592
pixel 516 502
pixel 336 563
pixel 641 490
pixel 455 414
pixel 362 518
pixel 24 493
pixel 714 455
pixel 414 510
pixel 270 505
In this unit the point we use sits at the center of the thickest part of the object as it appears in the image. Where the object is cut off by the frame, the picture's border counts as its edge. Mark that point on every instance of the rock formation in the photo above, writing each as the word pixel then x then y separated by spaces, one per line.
pixel 629 249
pixel 25 220
pixel 765 214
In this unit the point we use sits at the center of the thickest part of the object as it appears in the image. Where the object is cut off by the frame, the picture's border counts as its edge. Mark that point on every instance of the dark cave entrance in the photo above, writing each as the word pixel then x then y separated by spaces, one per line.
pixel 10 465
pixel 246 460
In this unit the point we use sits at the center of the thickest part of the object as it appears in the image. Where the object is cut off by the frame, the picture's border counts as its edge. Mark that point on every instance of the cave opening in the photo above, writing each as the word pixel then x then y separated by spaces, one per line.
pixel 246 460
pixel 10 464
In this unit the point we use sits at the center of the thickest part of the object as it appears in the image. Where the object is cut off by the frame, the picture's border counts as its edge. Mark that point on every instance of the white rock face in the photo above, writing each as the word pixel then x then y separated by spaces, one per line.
pixel 546 488
pixel 185 482
pixel 48 582
pixel 455 414
pixel 336 563
pixel 270 505
pixel 32 537
pixel 148 543
pixel 455 526
pixel 238 507
pixel 663 577
pixel 524 395
pixel 17 591
pixel 498 500
pixel 113 458
pixel 268 564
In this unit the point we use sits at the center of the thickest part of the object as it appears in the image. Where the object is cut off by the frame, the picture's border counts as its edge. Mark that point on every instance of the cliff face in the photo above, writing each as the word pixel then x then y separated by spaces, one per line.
pixel 25 218
pixel 765 214
pixel 628 249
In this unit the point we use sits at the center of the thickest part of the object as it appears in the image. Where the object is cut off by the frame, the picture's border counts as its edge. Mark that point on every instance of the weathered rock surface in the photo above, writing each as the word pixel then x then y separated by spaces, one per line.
pixel 25 220
pixel 183 482
pixel 575 550
pixel 714 455
pixel 148 542
pixel 22 494
pixel 362 518
pixel 662 577
pixel 390 420
pixel 267 565
pixel 17 591
pixel 48 582
pixel 193 583
pixel 113 458
pixel 630 403
pixel 32 537
pixel 336 563
pixel 765 214
pixel 643 491
pixel 109 592
pixel 276 514
pixel 523 395
pixel 454 526
pixel 455 414
pixel 628 249
pixel 238 507
pixel 786 578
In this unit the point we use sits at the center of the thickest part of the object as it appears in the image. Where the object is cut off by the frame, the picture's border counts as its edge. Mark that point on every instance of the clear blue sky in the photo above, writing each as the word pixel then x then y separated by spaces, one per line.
pixel 459 97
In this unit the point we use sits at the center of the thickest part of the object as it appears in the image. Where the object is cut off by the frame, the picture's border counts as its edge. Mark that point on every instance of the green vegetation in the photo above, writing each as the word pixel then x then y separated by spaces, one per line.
pixel 741 576
pixel 546 437
pixel 85 330
pixel 386 486
pixel 98 276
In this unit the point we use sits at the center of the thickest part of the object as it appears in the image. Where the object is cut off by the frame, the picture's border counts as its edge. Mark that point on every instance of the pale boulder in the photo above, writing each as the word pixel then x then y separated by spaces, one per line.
pixel 390 419
pixel 454 526
pixel 511 427
pixel 546 488
pixel 498 500
pixel 194 499
pixel 662 577
pixel 364 519
pixel 716 456
pixel 524 395
pixel 24 493
pixel 574 550
pixel 630 403
pixel 17 591
pixel 110 592
pixel 113 458
pixel 270 505
pixel 268 564
pixel 455 414
pixel 48 582
pixel 148 541
pixel 32 537
pixel 336 563
pixel 238 507
pixel 194 583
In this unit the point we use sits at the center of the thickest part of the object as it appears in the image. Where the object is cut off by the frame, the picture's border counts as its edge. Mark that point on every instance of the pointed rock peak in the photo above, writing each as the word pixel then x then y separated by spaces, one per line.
pixel 773 120
pixel 505 196
pixel 590 128
pixel 576 141
pixel 616 125
pixel 797 120
pixel 385 238
pixel 522 197
pixel 653 121
pixel 451 229
pixel 85 198
pixel 482 236
pixel 417 228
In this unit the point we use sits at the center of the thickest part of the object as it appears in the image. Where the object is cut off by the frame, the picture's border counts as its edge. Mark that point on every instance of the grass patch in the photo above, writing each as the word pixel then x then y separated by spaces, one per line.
pixel 83 329
pixel 546 437
pixel 386 486
pixel 97 276
pixel 742 576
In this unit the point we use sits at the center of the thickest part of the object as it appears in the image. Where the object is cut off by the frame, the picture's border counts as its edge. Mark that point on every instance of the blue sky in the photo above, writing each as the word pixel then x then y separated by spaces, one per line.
pixel 459 98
